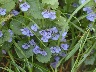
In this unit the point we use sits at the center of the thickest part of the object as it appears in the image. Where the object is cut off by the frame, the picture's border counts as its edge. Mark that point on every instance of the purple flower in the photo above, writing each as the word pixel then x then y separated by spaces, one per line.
pixel 45 14
pixel 52 15
pixel 54 30
pixel 44 39
pixel 36 50
pixel 88 9
pixel 64 34
pixel 10 40
pixel 24 6
pixel 1 34
pixel 14 12
pixel 83 1
pixel 90 26
pixel 54 64
pixel 32 42
pixel 3 51
pixel 64 46
pixel 62 54
pixel 42 32
pixel 57 58
pixel 10 31
pixel 25 46
pixel 2 11
pixel 43 53
pixel 27 32
pixel 3 23
pixel 95 1
pixel 91 17
pixel 75 5
pixel 55 49
pixel 55 37
pixel 34 27
pixel 48 14
pixel 63 39
pixel 46 33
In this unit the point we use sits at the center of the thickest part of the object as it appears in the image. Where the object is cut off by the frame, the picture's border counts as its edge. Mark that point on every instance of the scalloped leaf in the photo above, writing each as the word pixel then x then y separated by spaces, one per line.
pixel 27 52
pixel 55 5
pixel 5 37
pixel 16 25
pixel 35 9
pixel 61 21
pixel 9 5
pixel 44 59
pixel 90 61
pixel 52 2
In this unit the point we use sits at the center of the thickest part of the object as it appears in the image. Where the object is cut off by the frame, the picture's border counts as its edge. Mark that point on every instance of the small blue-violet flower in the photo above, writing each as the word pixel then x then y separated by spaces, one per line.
pixel 57 58
pixel 48 14
pixel 3 51
pixel 14 12
pixel 36 49
pixel 32 42
pixel 52 15
pixel 91 17
pixel 54 64
pixel 34 27
pixel 1 34
pixel 75 5
pixel 83 1
pixel 88 9
pixel 44 39
pixel 24 6
pixel 25 46
pixel 65 46
pixel 54 30
pixel 44 53
pixel 55 49
pixel 95 1
pixel 64 34
pixel 55 37
pixel 27 32
pixel 2 11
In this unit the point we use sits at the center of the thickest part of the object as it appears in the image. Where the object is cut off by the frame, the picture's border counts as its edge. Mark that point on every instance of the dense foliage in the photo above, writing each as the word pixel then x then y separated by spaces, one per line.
pixel 47 35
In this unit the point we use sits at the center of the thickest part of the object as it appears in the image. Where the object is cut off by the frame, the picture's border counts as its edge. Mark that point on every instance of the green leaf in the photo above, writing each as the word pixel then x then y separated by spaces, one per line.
pixel 6 46
pixel 61 21
pixel 16 25
pixel 5 37
pixel 9 5
pixel 52 2
pixel 44 59
pixel 90 61
pixel 28 52
pixel 35 9
pixel 55 5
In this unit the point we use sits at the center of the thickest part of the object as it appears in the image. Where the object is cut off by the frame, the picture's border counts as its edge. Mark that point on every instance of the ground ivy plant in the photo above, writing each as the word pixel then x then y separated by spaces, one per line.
pixel 47 35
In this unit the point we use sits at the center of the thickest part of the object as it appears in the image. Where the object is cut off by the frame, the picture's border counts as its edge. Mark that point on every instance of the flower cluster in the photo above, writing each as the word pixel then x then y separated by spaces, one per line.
pixel 91 15
pixel 2 11
pixel 55 49
pixel 51 33
pixel 36 49
pixel 48 14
